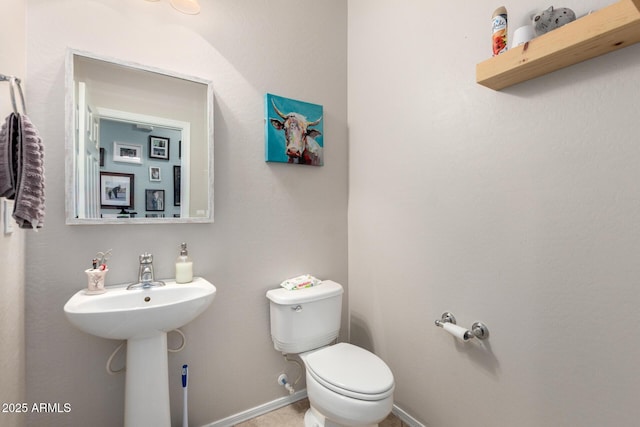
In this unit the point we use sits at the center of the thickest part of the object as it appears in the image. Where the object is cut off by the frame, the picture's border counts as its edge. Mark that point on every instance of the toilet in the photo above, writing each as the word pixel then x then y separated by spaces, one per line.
pixel 346 385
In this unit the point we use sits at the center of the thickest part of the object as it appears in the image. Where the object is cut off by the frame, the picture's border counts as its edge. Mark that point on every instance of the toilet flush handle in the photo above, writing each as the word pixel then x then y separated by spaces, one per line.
pixel 297 308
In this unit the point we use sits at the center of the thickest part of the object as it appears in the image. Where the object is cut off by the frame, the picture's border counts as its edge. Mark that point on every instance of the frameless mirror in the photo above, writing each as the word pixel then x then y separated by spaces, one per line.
pixel 139 143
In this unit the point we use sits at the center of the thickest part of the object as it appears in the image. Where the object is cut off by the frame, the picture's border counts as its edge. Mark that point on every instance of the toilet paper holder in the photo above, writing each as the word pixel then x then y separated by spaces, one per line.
pixel 478 329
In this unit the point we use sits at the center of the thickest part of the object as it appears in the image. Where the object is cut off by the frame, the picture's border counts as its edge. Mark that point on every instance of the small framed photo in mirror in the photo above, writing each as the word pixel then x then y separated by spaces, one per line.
pixel 176 185
pixel 154 174
pixel 158 148
pixel 127 153
pixel 154 200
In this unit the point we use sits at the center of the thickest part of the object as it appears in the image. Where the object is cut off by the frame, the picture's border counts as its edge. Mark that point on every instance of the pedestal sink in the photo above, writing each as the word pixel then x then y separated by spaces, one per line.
pixel 142 317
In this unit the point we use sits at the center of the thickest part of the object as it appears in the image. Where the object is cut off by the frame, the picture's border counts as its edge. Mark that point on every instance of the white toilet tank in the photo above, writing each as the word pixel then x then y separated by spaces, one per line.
pixel 305 319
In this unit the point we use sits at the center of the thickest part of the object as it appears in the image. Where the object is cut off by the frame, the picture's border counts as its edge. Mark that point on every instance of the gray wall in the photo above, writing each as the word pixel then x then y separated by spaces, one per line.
pixel 272 221
pixel 12 246
pixel 518 208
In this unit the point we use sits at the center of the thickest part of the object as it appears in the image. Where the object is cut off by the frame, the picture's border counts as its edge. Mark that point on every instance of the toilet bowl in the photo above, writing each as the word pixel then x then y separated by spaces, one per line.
pixel 347 386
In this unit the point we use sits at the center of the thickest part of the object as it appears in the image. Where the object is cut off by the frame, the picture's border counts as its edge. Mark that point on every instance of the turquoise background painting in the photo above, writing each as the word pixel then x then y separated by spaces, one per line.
pixel 274 139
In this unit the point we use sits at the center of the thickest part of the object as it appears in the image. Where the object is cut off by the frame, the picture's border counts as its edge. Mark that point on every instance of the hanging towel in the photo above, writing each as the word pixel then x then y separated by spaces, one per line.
pixel 9 141
pixel 28 209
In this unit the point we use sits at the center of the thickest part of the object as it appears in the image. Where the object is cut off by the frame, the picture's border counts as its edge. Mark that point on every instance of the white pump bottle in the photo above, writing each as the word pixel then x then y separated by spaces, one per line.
pixel 184 266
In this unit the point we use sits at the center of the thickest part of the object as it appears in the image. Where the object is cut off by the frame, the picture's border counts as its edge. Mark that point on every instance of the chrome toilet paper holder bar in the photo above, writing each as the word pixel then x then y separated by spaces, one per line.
pixel 478 329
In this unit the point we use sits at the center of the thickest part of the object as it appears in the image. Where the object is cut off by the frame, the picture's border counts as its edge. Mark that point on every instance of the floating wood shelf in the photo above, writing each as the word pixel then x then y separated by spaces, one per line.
pixel 603 31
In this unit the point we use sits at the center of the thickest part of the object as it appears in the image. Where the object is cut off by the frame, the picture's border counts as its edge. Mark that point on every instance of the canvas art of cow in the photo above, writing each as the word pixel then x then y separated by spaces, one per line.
pixel 300 145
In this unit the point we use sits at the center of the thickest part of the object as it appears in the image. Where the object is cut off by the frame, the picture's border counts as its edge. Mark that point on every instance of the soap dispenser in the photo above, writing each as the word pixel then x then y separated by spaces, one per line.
pixel 184 266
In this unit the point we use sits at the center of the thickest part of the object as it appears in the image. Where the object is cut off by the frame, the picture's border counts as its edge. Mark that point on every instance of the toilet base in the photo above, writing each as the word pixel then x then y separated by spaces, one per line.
pixel 331 409
pixel 312 418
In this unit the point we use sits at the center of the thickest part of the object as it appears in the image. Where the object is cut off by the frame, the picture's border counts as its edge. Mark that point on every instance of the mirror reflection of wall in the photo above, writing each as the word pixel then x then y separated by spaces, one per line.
pixel 154 172
pixel 158 163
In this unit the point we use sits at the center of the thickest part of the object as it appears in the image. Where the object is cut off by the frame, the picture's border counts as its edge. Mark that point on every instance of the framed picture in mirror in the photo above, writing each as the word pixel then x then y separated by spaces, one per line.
pixel 154 174
pixel 176 185
pixel 154 200
pixel 116 190
pixel 158 148
pixel 127 153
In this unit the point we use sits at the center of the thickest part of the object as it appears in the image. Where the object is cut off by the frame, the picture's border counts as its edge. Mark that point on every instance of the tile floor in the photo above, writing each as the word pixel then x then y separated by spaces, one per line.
pixel 293 416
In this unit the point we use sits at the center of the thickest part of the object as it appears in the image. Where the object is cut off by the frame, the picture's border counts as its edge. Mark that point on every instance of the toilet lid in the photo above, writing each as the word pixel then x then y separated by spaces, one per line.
pixel 351 371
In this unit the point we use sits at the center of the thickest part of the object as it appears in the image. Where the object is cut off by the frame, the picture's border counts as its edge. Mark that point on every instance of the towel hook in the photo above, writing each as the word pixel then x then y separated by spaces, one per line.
pixel 13 82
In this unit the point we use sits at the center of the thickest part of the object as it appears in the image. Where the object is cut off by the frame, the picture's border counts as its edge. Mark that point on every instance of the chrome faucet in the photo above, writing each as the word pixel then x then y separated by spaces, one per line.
pixel 145 273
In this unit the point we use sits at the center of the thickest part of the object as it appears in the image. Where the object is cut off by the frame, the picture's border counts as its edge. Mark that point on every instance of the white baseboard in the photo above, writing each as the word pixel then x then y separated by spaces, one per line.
pixel 259 410
pixel 287 400
pixel 405 417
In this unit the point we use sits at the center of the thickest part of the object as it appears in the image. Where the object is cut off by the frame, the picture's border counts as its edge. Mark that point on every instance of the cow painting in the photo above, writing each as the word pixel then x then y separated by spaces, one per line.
pixel 291 136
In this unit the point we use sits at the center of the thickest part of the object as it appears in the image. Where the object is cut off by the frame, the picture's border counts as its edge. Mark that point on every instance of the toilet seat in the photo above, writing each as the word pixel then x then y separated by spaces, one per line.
pixel 351 371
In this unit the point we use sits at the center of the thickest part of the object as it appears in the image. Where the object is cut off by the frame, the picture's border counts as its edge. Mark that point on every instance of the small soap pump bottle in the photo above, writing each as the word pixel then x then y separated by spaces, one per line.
pixel 184 266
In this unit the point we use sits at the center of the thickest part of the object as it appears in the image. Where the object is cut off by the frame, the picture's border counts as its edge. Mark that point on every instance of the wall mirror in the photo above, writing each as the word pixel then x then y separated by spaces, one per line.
pixel 139 143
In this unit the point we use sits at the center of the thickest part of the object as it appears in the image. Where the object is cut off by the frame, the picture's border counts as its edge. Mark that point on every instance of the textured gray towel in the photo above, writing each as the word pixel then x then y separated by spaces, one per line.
pixel 28 209
pixel 9 141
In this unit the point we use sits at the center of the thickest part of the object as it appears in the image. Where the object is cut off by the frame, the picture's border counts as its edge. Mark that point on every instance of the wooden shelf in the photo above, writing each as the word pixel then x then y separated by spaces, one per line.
pixel 603 31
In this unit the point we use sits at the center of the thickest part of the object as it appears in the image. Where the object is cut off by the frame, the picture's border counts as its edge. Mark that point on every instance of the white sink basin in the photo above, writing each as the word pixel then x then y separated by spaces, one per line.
pixel 123 314
pixel 142 317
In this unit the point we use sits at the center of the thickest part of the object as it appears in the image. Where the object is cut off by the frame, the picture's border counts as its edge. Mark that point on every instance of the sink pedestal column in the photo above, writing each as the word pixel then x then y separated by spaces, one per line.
pixel 147 382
